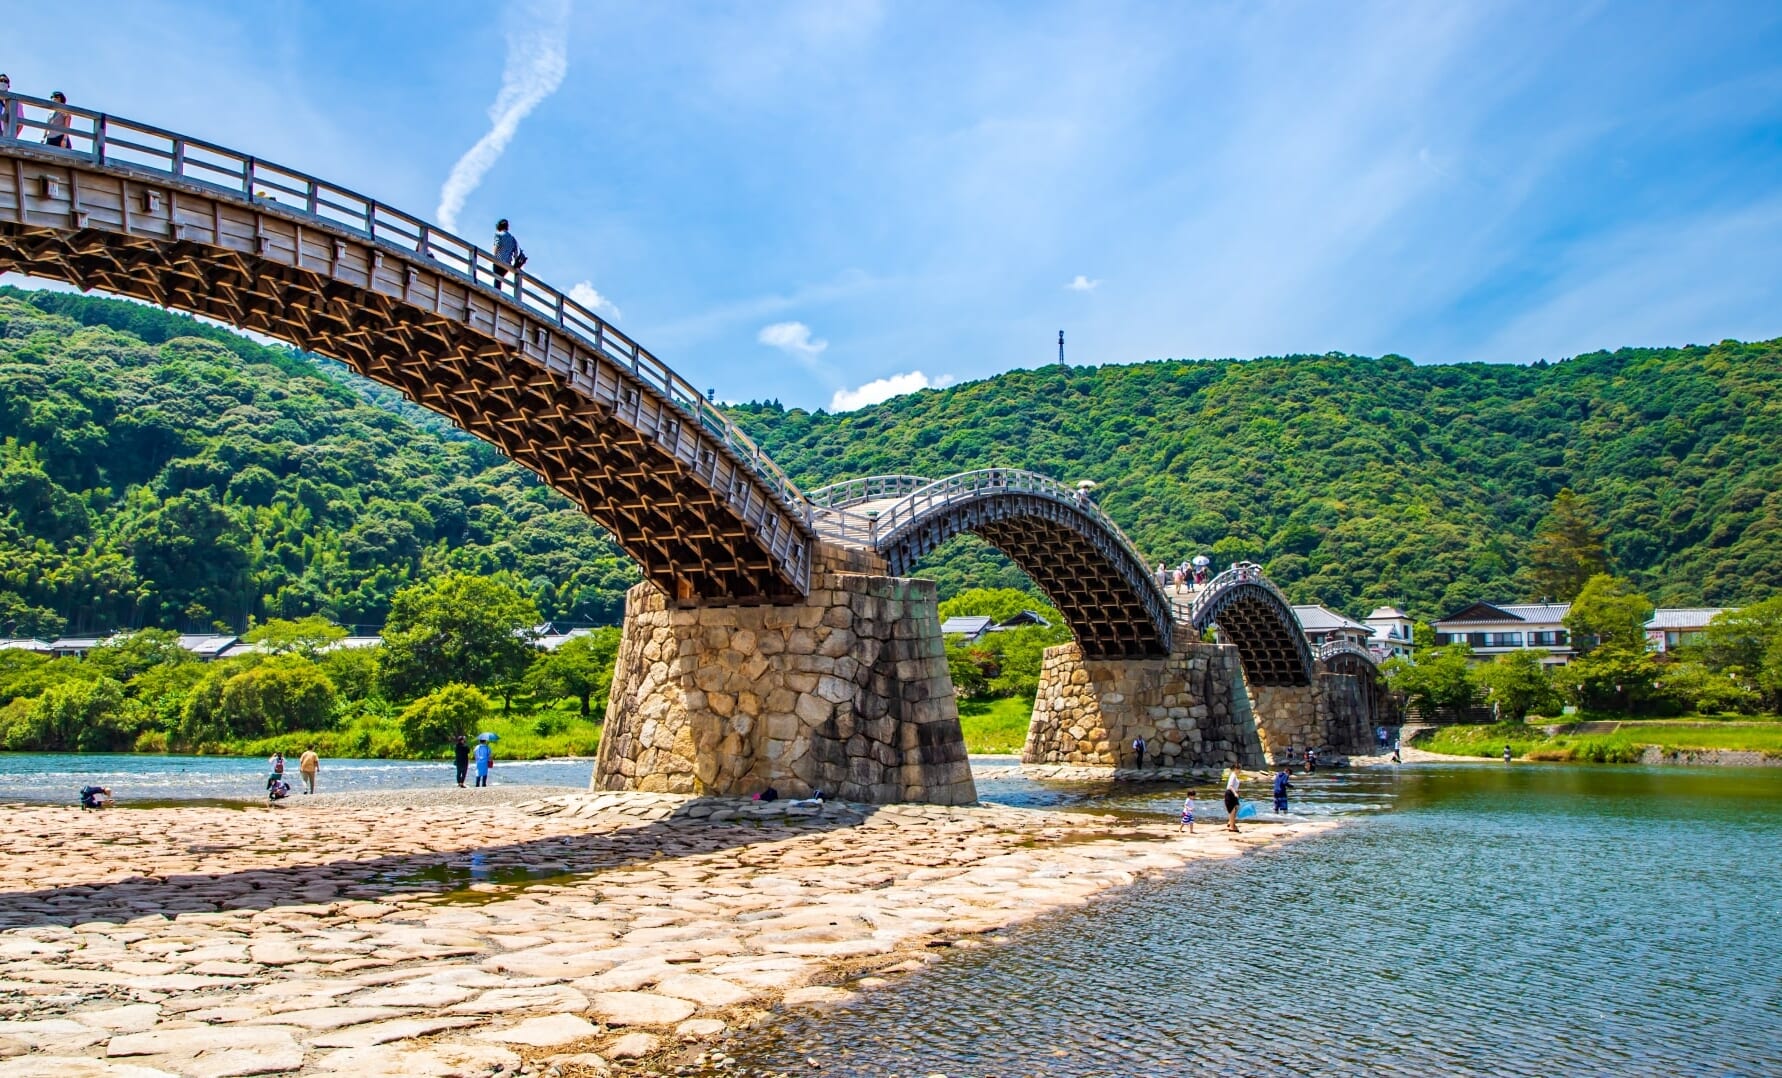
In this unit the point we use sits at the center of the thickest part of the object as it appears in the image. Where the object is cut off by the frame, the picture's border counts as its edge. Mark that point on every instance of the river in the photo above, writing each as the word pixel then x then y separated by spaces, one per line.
pixel 1517 920
pixel 1474 919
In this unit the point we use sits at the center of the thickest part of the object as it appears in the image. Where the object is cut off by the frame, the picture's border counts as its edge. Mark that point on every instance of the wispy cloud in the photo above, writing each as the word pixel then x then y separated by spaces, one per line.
pixel 883 389
pixel 794 339
pixel 584 293
pixel 537 60
pixel 1080 283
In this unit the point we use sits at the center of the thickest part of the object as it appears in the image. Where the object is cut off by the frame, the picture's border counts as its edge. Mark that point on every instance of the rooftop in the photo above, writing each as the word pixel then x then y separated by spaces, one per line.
pixel 1683 617
pixel 1322 619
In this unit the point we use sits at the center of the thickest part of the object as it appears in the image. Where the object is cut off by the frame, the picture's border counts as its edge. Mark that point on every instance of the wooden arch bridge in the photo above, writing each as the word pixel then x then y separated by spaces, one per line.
pixel 139 211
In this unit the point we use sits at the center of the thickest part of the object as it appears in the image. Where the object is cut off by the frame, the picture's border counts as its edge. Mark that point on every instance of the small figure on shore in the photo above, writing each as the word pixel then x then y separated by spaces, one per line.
pixel 277 764
pixel 307 766
pixel 94 797
pixel 60 123
pixel 485 759
pixel 1187 813
pixel 769 794
pixel 1507 753
pixel 277 789
pixel 507 253
pixel 1311 760
pixel 461 758
pixel 1233 779
pixel 1395 757
pixel 1282 782
pixel 1138 748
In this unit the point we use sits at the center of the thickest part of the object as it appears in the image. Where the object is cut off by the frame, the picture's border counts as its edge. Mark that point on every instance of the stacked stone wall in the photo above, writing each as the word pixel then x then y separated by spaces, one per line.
pixel 847 693
pixel 1089 712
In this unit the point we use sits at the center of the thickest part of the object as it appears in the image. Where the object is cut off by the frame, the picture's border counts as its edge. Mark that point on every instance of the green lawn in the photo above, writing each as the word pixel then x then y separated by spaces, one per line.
pixel 1625 745
pixel 369 738
pixel 995 726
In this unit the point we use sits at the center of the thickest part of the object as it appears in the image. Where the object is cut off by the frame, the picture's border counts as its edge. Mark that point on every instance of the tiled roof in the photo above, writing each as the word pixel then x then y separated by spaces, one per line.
pixel 1322 619
pixel 1683 617
pixel 1383 612
pixel 966 626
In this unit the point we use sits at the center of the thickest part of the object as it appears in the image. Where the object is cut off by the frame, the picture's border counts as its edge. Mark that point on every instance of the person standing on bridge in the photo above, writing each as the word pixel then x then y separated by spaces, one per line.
pixel 60 123
pixel 9 110
pixel 507 253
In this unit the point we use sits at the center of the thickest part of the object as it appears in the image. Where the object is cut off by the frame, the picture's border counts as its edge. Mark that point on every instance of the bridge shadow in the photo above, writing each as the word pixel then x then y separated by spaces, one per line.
pixel 460 875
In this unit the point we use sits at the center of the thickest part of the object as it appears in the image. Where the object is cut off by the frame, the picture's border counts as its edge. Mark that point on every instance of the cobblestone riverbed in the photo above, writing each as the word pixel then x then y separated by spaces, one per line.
pixel 510 930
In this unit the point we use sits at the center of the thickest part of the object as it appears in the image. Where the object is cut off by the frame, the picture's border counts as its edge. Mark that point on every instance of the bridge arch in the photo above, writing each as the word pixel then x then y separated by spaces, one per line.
pixel 1252 614
pixel 1056 535
pixel 145 213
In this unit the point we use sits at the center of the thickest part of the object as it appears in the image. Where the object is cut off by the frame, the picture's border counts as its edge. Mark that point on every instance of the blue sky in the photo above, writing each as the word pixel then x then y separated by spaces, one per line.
pixel 798 200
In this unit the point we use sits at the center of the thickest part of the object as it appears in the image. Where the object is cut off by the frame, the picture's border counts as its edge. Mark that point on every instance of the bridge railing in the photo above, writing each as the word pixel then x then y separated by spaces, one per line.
pixel 1243 572
pixel 1332 648
pixel 967 486
pixel 114 141
pixel 869 489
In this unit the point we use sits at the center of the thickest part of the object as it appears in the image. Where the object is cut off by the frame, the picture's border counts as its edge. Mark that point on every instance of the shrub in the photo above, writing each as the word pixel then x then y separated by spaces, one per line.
pixel 443 714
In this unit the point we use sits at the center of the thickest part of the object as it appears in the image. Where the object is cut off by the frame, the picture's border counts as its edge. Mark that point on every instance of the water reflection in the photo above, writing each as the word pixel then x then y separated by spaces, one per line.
pixel 1524 920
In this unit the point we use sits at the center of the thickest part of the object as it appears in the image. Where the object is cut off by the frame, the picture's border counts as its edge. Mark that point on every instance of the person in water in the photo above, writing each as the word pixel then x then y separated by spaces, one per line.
pixel 1282 782
pixel 1233 779
pixel 1507 753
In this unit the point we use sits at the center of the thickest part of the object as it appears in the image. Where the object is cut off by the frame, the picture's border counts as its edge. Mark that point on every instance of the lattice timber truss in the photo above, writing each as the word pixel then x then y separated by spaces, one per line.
pixel 698 520
pixel 1103 591
pixel 1268 637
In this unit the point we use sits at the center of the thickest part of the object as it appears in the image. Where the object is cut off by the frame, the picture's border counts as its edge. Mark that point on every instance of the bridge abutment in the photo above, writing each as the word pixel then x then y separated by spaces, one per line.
pixel 1088 711
pixel 846 692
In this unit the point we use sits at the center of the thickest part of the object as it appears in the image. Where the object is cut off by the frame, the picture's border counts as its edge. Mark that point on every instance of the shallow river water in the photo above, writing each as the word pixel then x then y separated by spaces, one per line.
pixel 1523 920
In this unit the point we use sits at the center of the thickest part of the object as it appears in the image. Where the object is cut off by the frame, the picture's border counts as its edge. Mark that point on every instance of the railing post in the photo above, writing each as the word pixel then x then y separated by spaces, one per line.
pixel 179 156
pixel 247 176
pixel 99 135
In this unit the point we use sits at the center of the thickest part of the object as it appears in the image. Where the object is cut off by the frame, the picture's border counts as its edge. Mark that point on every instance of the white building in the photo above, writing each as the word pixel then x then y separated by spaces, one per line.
pixel 1391 632
pixel 1675 627
pixel 1493 629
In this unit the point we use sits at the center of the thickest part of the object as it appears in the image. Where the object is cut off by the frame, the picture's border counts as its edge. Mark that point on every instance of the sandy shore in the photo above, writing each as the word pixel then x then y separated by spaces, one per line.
pixel 568 934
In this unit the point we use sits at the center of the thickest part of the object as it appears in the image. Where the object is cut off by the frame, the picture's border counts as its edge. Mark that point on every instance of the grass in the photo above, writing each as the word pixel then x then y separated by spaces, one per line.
pixel 1625 745
pixel 995 726
pixel 567 735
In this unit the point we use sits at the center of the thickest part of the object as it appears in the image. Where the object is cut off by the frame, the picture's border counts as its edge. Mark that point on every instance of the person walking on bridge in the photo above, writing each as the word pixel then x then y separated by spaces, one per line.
pixel 60 123
pixel 9 110
pixel 507 253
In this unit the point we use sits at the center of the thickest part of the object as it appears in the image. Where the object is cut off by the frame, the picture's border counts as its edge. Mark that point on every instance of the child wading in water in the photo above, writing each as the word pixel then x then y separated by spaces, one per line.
pixel 1188 813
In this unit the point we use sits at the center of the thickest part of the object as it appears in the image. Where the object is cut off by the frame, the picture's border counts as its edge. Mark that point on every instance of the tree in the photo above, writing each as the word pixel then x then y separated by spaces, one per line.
pixel 78 716
pixel 129 655
pixel 308 637
pixel 581 666
pixel 443 714
pixel 1608 612
pixel 458 628
pixel 278 696
pixel 998 604
pixel 1613 669
pixel 1518 683
pixel 1438 680
pixel 1567 549
pixel 1746 645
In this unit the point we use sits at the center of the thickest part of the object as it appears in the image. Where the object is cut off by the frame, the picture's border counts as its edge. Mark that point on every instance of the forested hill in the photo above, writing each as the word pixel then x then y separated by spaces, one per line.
pixel 157 471
pixel 1362 481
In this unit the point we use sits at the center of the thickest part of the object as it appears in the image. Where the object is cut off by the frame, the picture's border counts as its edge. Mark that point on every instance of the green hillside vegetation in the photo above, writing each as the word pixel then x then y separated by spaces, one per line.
pixel 158 472
pixel 1360 481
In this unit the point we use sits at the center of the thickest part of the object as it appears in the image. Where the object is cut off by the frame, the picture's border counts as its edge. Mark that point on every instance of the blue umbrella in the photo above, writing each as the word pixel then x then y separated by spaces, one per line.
pixel 488 737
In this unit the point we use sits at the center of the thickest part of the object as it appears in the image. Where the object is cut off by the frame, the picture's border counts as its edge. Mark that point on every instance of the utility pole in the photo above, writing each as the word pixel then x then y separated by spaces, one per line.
pixel 1061 348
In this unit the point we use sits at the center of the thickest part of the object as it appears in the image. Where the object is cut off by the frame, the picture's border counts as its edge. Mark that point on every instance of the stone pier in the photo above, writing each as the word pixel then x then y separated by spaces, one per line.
pixel 1089 711
pixel 846 692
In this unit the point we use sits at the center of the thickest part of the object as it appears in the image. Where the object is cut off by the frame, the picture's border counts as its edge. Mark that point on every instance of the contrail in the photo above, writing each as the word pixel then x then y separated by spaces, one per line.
pixel 537 58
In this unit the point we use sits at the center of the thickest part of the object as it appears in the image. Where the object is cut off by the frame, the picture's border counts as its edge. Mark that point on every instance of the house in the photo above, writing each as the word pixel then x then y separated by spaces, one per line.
pixel 552 640
pixel 42 647
pixel 1323 625
pixel 971 628
pixel 1391 632
pixel 1023 620
pixel 207 646
pixel 1492 629
pixel 74 647
pixel 1672 628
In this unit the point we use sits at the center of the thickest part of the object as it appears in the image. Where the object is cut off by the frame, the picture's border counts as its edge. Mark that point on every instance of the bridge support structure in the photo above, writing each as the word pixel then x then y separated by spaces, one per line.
pixel 1186 706
pixel 846 692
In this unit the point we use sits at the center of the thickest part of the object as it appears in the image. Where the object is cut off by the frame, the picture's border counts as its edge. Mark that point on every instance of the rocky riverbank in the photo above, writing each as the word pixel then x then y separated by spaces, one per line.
pixel 571 934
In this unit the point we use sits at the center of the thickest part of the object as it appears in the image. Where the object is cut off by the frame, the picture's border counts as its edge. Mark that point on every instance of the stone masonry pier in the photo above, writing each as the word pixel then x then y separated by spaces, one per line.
pixel 1089 711
pixel 845 692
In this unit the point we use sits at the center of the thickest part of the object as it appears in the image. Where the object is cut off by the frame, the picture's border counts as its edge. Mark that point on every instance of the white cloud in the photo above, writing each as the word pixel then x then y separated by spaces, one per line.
pixel 537 60
pixel 1082 284
pixel 794 339
pixel 583 292
pixel 883 389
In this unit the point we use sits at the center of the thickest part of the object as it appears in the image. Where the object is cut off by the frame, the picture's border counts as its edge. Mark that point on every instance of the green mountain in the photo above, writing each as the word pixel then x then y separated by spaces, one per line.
pixel 1365 481
pixel 155 470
